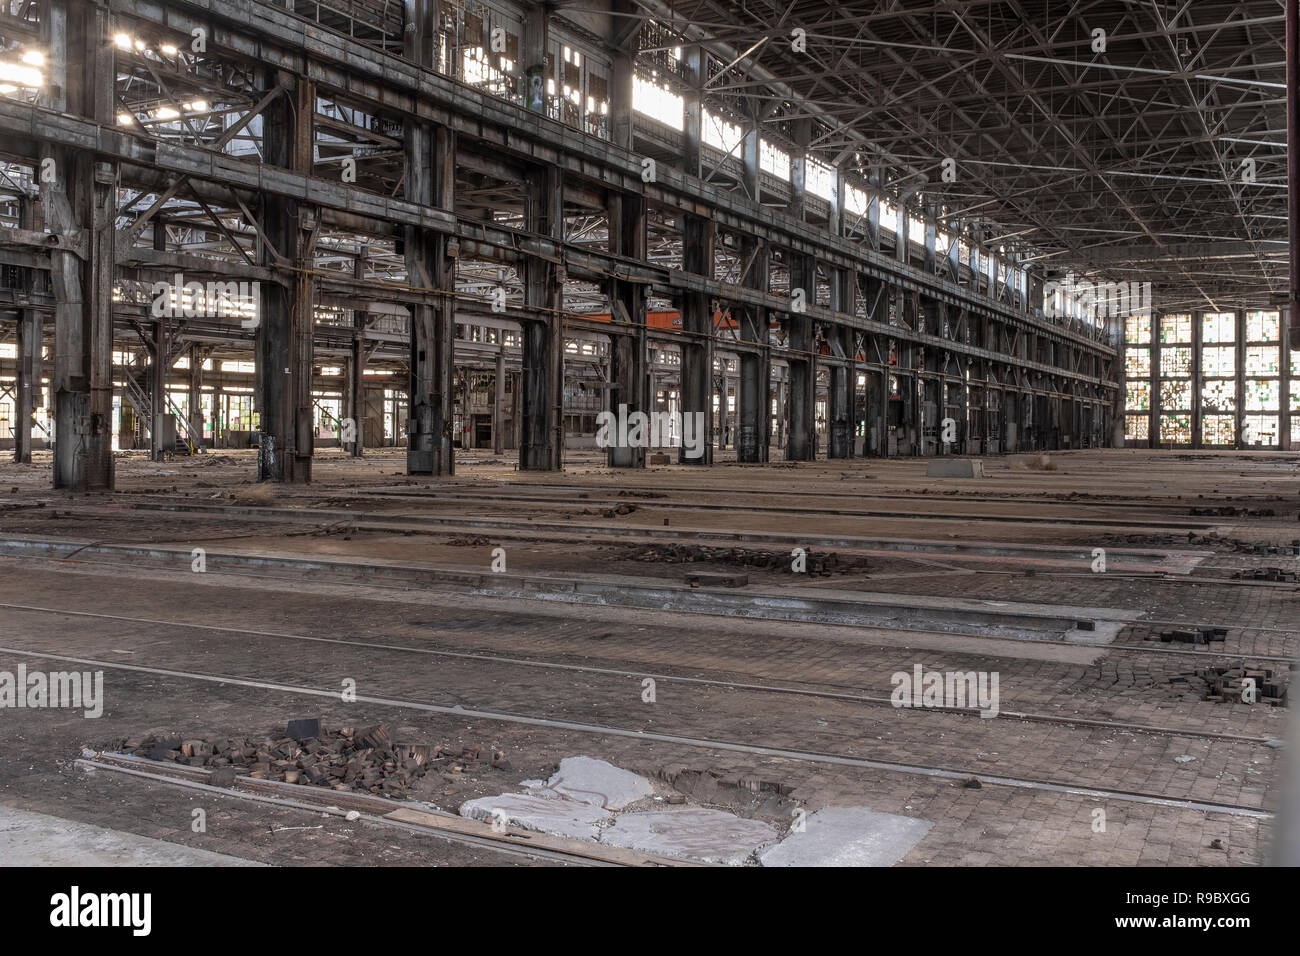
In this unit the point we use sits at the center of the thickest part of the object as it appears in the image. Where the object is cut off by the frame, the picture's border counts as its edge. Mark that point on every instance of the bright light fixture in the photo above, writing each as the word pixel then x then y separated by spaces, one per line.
pixel 125 119
pixel 123 41
pixel 167 113
pixel 34 58
pixel 139 44
pixel 168 49
pixel 198 106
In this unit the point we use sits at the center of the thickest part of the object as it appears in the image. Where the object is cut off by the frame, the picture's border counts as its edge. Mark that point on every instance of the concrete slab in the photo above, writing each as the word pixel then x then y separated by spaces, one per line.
pixel 954 468
pixel 706 836
pixel 598 783
pixel 37 839
pixel 558 816
pixel 848 836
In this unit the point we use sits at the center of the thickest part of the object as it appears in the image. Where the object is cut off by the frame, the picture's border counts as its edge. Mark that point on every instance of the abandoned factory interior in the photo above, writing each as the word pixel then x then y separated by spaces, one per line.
pixel 669 433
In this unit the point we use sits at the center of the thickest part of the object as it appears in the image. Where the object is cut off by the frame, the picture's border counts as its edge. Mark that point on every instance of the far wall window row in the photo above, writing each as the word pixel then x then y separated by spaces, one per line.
pixel 1232 379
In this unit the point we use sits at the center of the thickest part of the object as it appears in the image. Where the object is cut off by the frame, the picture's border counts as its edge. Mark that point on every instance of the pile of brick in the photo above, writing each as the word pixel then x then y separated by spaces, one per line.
pixel 345 759
pixel 1225 682
pixel 1200 635
pixel 1268 574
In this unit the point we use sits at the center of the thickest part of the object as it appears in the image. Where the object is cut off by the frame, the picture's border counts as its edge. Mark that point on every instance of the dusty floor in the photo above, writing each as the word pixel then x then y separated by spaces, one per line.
pixel 769 697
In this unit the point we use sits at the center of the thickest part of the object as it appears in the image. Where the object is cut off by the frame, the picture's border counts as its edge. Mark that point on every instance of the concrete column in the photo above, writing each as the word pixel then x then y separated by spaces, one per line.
pixel 749 154
pixel 81 204
pixel 541 446
pixel 800 443
pixel 802 129
pixel 430 180
pixel 354 389
pixel 284 335
pixel 624 26
pixel 753 401
pixel 158 389
pixel 693 110
pixel 196 394
pixel 499 404
pixel 1284 318
pixel 697 340
pixel 626 216
pixel 840 417
pixel 1239 321
pixel 31 360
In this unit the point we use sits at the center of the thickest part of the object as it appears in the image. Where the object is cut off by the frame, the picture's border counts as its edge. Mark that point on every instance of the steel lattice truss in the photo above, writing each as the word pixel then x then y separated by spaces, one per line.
pixel 1162 157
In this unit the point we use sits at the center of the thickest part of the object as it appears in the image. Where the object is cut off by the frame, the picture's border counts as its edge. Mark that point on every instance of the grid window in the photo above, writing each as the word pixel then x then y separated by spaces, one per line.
pixel 1219 360
pixel 1137 330
pixel 1262 360
pixel 1219 327
pixel 1263 327
pixel 1259 430
pixel 1219 429
pixel 1263 395
pixel 1138 397
pixel 1137 363
pixel 1175 328
pixel 1219 396
pixel 1176 395
pixel 1137 427
pixel 1176 428
pixel 1175 362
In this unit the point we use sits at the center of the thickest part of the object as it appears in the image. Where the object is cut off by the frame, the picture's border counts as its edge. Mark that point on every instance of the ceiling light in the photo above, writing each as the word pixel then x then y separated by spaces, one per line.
pixel 198 106
pixel 168 49
pixel 167 113
pixel 139 44
pixel 125 119
pixel 34 58
pixel 123 41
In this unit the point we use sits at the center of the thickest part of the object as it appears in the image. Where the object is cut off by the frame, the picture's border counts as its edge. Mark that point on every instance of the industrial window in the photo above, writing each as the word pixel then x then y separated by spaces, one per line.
pixel 1219 327
pixel 1219 396
pixel 1137 427
pixel 1176 395
pixel 1175 328
pixel 657 102
pixel 1263 327
pixel 1263 395
pixel 1219 429
pixel 1262 360
pixel 720 134
pixel 1176 428
pixel 773 160
pixel 1259 430
pixel 1138 396
pixel 1137 330
pixel 1175 362
pixel 819 179
pixel 1219 360
pixel 1137 363
pixel 1295 363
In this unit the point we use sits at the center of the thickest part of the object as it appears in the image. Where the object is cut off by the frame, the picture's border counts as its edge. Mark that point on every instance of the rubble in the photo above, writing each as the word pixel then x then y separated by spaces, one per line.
pixel 365 759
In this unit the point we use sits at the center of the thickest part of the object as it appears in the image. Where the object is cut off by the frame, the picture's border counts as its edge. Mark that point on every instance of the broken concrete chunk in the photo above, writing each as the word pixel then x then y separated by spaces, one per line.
pixel 705 836
pixel 847 836
pixel 558 816
pixel 598 783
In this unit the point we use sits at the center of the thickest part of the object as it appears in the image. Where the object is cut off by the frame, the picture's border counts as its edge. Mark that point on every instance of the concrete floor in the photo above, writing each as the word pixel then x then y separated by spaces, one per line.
pixel 769 699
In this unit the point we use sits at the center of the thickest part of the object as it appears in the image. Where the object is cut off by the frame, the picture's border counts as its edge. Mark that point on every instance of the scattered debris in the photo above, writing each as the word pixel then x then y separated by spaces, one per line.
pixel 347 759
pixel 817 564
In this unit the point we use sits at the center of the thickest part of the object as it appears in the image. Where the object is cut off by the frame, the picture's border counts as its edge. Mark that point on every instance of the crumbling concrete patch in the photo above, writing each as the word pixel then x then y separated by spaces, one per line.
pixel 848 836
pixel 558 816
pixel 598 783
pixel 706 836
